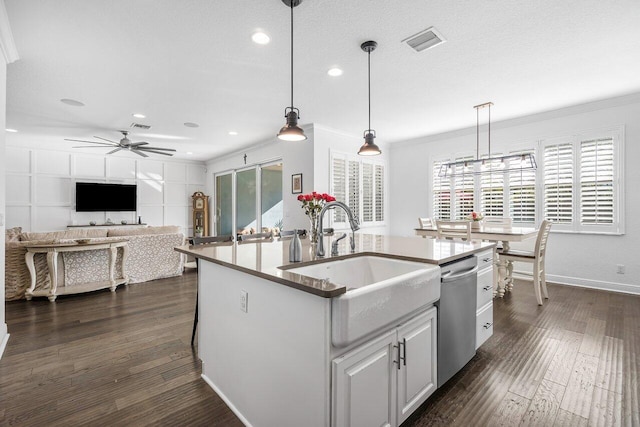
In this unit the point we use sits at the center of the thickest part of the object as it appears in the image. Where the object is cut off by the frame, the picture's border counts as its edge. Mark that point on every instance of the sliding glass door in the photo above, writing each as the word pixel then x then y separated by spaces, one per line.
pixel 249 200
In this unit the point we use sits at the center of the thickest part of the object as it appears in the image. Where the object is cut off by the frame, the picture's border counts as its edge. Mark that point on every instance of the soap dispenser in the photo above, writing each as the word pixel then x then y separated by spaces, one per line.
pixel 295 248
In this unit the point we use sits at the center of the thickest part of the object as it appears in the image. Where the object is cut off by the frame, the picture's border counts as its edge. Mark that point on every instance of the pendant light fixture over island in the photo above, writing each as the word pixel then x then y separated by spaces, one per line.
pixel 369 148
pixel 291 131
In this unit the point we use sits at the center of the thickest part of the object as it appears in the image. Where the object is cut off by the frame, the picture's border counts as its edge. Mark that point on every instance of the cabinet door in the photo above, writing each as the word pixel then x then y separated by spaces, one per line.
pixel 417 377
pixel 364 384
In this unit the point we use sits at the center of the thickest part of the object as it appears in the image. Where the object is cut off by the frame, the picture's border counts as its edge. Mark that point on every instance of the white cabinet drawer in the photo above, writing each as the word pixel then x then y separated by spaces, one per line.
pixel 485 259
pixel 484 324
pixel 485 288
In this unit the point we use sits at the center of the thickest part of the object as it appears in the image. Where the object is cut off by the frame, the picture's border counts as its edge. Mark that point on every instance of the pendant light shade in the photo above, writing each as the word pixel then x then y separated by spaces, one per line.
pixel 291 131
pixel 369 148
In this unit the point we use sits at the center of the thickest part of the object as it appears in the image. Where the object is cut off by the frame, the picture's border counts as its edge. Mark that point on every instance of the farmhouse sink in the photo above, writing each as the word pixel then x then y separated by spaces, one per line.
pixel 380 291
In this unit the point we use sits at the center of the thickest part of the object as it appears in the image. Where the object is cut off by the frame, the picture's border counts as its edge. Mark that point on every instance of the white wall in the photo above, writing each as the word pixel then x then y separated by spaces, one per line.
pixel 41 188
pixel 582 259
pixel 297 157
pixel 311 158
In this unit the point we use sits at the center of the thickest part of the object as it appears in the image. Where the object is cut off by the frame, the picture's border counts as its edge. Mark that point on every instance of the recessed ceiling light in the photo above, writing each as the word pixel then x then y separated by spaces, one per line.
pixel 335 72
pixel 260 38
pixel 192 125
pixel 11 130
pixel 72 102
pixel 139 116
pixel 233 132
pixel 189 152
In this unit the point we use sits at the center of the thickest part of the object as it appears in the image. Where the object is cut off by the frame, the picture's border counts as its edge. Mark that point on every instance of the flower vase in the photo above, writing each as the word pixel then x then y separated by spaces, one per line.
pixel 313 229
pixel 475 225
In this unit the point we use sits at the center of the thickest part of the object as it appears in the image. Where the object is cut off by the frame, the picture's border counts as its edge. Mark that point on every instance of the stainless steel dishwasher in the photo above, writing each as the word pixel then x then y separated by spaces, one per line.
pixel 456 316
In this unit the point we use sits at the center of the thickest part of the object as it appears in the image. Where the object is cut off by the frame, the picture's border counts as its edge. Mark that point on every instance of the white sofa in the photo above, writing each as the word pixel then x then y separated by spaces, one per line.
pixel 151 256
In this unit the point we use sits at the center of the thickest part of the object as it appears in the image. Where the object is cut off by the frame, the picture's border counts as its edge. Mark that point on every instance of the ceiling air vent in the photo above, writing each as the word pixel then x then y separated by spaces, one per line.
pixel 140 126
pixel 425 39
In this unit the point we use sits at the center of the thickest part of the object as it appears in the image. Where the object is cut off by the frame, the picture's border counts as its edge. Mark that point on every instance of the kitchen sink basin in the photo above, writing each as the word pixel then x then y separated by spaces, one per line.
pixel 380 291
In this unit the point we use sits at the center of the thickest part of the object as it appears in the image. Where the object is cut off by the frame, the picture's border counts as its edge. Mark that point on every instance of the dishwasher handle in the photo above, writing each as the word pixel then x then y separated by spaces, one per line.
pixel 449 276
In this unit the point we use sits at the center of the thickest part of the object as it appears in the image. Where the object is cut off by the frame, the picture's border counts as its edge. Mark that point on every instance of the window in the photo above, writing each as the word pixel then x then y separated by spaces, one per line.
pixel 579 186
pixel 582 185
pixel 360 184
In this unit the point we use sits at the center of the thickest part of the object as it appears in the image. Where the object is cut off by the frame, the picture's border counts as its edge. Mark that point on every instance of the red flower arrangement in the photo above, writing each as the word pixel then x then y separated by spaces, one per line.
pixel 312 204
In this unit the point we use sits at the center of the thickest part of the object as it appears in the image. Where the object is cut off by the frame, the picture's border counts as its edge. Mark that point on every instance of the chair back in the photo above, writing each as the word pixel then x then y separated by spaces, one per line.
pixel 504 221
pixel 210 239
pixel 425 222
pixel 454 229
pixel 255 237
pixel 541 241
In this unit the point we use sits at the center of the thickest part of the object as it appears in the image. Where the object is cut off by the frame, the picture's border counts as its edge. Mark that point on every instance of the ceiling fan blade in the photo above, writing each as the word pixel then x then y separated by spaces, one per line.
pixel 137 144
pixel 89 142
pixel 157 148
pixel 155 152
pixel 115 151
pixel 105 139
pixel 87 146
pixel 139 153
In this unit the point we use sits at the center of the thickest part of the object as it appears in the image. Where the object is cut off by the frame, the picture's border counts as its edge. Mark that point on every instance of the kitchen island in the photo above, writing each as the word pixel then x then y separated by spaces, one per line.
pixel 265 335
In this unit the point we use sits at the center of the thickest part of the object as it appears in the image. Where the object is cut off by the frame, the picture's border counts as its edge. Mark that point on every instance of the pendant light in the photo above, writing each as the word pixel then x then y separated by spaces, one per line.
pixel 489 164
pixel 291 131
pixel 369 148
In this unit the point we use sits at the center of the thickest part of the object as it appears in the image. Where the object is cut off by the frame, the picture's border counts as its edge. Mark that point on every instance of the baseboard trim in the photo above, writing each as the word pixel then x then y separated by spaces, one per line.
pixel 584 283
pixel 226 400
pixel 3 344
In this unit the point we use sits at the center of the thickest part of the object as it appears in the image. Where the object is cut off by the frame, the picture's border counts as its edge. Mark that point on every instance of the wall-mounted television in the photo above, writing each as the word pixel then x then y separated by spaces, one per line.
pixel 95 197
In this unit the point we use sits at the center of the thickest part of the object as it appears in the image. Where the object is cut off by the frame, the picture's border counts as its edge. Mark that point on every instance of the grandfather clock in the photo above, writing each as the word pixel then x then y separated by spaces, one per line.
pixel 200 214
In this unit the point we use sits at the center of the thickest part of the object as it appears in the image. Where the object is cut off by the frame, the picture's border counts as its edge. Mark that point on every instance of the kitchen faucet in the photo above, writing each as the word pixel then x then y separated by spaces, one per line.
pixel 353 222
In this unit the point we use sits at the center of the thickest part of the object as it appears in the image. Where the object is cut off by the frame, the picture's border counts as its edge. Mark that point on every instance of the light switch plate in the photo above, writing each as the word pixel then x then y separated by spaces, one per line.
pixel 244 301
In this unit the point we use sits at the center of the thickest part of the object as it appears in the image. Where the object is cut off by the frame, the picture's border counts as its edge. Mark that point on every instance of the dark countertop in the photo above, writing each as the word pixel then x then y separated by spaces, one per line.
pixel 263 258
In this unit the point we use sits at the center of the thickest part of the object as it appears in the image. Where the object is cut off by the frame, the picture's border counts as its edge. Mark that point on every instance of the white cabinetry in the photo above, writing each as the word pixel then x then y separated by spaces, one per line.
pixel 383 381
pixel 484 301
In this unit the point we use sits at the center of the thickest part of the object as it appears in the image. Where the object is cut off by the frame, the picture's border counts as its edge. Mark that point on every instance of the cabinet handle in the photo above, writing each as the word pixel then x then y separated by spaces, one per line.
pixel 487 259
pixel 404 351
pixel 488 287
pixel 488 325
pixel 398 361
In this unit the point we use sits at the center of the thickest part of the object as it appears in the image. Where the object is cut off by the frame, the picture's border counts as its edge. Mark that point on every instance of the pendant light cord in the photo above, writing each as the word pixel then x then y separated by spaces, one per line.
pixel 369 78
pixel 292 55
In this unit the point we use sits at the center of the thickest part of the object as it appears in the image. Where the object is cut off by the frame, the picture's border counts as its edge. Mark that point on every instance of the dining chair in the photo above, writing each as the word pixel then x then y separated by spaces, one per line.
pixel 504 221
pixel 203 241
pixel 536 257
pixel 454 229
pixel 425 222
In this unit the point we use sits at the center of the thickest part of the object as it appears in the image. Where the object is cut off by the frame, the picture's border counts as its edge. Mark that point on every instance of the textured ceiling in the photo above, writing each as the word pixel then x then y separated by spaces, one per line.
pixel 194 61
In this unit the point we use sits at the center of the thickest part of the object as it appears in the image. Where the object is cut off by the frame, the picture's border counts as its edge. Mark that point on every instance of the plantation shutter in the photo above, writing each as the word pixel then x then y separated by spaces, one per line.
pixel 596 182
pixel 354 187
pixel 367 192
pixel 441 193
pixel 339 186
pixel 492 190
pixel 379 192
pixel 522 193
pixel 558 183
pixel 464 189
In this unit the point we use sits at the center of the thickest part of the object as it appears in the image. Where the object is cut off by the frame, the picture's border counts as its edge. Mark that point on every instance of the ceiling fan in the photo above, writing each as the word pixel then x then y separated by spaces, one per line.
pixel 125 144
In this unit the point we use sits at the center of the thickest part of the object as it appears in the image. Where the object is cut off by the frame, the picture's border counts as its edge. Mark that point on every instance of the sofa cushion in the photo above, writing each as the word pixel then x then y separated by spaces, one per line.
pixel 66 234
pixel 12 234
pixel 166 229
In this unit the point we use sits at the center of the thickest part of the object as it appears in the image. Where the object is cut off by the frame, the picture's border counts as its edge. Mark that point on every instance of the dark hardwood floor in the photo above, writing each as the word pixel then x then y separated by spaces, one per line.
pixel 125 359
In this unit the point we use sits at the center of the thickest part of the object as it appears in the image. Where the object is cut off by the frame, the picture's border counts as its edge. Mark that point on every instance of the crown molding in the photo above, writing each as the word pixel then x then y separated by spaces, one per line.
pixel 7 45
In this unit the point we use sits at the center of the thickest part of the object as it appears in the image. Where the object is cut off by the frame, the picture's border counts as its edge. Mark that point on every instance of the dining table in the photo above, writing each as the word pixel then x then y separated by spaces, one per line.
pixel 494 233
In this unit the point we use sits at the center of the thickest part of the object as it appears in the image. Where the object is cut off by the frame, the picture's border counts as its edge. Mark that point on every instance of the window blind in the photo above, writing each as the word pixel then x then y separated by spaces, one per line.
pixel 558 183
pixel 339 186
pixel 596 182
pixel 441 193
pixel 464 190
pixel 522 193
pixel 379 192
pixel 367 192
pixel 492 190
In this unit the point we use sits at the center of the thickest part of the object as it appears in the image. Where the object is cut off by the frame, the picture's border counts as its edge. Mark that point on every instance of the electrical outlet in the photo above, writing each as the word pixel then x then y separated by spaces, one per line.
pixel 244 301
pixel 620 269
